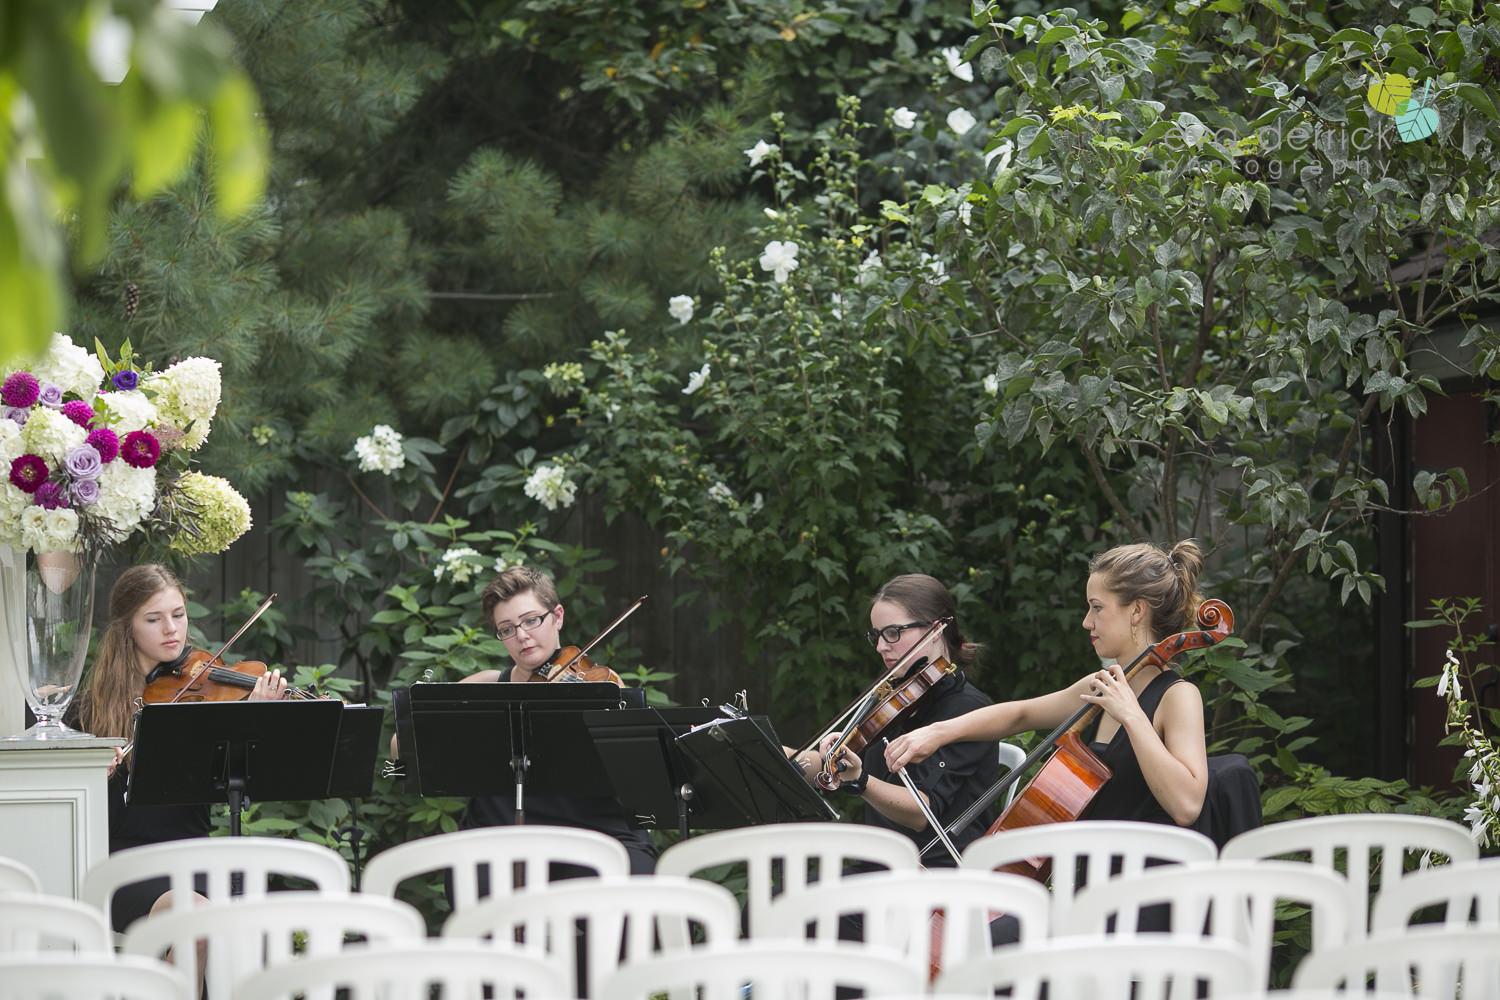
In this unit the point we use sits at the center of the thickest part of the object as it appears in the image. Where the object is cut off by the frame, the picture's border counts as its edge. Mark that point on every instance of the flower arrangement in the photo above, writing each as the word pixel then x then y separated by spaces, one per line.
pixel 94 449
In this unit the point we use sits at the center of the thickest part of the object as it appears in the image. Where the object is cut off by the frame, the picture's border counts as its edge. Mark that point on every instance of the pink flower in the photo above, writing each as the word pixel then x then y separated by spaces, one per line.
pixel 106 442
pixel 27 473
pixel 21 389
pixel 140 449
pixel 79 412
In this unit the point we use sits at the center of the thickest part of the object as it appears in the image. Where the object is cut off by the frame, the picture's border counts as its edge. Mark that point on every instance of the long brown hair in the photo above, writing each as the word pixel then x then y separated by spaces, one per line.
pixel 1166 581
pixel 108 698
pixel 927 600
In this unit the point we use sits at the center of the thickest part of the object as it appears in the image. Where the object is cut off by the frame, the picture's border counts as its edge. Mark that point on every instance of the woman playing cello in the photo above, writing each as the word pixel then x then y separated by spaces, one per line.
pixel 1151 731
pixel 900 613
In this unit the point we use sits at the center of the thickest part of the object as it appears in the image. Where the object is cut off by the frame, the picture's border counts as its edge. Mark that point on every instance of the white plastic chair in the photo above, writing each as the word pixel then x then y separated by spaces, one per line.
pixel 89 977
pixel 246 935
pixel 515 858
pixel 1468 891
pixel 15 876
pixel 1098 968
pixel 1011 757
pixel 621 918
pixel 255 860
pixel 786 857
pixel 1228 899
pixel 934 918
pixel 31 923
pixel 773 970
pixel 1443 962
pixel 464 969
pixel 1087 852
pixel 1369 849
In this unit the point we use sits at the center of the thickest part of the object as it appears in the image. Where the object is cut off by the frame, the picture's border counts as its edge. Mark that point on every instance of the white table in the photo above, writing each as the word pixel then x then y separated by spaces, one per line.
pixel 54 808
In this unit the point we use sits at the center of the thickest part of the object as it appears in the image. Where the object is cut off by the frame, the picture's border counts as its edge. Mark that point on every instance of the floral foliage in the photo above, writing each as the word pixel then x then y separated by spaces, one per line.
pixel 95 449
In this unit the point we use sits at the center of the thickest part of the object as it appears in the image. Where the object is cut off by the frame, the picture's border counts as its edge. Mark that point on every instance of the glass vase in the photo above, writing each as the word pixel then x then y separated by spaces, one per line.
pixel 51 608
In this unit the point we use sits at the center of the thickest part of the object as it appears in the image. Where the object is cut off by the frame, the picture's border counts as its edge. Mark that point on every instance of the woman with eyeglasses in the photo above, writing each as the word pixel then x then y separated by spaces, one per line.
pixel 522 606
pixel 952 778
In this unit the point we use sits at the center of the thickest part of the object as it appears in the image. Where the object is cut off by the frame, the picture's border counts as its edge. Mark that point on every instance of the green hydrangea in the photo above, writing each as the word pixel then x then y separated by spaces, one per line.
pixel 216 515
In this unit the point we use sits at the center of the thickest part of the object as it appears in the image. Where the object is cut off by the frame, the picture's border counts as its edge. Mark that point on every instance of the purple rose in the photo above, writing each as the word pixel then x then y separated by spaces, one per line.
pixel 20 389
pixel 50 496
pixel 84 462
pixel 106 442
pixel 51 396
pixel 85 492
pixel 16 413
pixel 140 449
pixel 125 379
pixel 27 473
pixel 79 412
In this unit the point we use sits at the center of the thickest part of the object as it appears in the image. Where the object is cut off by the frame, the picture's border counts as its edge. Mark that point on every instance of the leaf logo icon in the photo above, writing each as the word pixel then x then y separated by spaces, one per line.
pixel 1415 118
pixel 1389 92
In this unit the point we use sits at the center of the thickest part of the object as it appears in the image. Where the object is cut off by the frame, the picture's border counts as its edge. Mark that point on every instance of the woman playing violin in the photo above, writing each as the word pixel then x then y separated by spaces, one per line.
pixel 1151 731
pixel 953 777
pixel 148 626
pixel 521 605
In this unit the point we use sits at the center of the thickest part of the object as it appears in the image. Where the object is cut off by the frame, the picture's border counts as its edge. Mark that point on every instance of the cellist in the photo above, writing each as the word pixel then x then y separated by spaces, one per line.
pixel 900 613
pixel 1151 729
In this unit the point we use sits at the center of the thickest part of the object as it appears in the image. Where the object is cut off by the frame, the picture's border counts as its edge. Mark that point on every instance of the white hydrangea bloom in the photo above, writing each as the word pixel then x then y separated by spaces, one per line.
pixel 187 397
pixel 696 380
pixel 680 308
pixel 12 443
pixel 132 411
pixel 12 503
pixel 380 451
pixel 67 365
pixel 51 435
pixel 455 564
pixel 550 486
pixel 720 493
pixel 126 495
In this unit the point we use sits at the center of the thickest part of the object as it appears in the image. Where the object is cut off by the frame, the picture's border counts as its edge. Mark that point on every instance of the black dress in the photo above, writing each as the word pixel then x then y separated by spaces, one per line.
pixel 1126 795
pixel 953 777
pixel 603 814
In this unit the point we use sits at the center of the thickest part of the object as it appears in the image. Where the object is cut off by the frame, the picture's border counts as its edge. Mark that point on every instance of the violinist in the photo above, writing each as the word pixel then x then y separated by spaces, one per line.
pixel 148 626
pixel 953 777
pixel 1151 729
pixel 521 605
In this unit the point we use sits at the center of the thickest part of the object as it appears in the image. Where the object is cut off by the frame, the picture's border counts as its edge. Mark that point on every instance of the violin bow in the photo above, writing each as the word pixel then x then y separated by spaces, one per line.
pixel 598 638
pixel 853 712
pixel 219 656
pixel 926 809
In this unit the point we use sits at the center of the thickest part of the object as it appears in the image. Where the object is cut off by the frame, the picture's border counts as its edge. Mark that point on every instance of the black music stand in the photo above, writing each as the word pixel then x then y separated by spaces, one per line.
pixel 228 751
pixel 353 774
pixel 464 733
pixel 653 778
pixel 741 763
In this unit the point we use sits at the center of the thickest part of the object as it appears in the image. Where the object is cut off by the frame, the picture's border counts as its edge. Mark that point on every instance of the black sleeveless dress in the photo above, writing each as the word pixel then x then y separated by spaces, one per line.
pixel 1126 795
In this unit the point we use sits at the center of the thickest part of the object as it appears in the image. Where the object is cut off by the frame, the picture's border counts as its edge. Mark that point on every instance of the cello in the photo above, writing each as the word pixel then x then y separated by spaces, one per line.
pixel 1070 778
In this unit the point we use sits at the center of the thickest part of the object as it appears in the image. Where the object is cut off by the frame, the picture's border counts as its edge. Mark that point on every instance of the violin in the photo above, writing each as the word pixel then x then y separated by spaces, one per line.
pixel 572 664
pixel 198 675
pixel 880 706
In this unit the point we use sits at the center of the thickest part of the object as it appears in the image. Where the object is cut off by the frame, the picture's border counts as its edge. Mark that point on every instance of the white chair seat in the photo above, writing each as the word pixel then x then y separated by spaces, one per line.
pixel 89 977
pixel 772 970
pixel 621 918
pixel 464 969
pixel 1098 968
pixel 788 857
pixel 1439 962
pixel 31 922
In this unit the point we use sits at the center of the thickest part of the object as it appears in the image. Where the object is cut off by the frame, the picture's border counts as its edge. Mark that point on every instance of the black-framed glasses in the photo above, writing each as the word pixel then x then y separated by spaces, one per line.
pixel 892 633
pixel 530 623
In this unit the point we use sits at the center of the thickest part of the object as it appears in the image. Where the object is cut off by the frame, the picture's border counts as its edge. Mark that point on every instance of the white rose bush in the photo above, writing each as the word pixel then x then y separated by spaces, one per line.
pixel 95 449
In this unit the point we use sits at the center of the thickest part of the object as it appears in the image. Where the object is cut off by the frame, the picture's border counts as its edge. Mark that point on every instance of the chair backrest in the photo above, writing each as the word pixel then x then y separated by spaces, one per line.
pixel 620 918
pixel 807 970
pixel 239 866
pixel 1468 892
pixel 63 976
pixel 1441 962
pixel 788 857
pixel 32 923
pixel 1371 850
pixel 1087 852
pixel 1011 757
pixel 16 876
pixel 464 969
pixel 1231 899
pixel 244 936
pixel 934 918
pixel 503 859
pixel 1165 968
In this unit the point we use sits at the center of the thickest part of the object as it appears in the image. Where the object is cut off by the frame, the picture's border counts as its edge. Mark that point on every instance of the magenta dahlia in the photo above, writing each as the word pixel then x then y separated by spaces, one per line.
pixel 140 449
pixel 28 472
pixel 21 389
